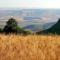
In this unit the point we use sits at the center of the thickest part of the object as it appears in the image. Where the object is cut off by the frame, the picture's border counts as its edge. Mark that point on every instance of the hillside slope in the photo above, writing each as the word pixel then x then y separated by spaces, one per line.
pixel 55 29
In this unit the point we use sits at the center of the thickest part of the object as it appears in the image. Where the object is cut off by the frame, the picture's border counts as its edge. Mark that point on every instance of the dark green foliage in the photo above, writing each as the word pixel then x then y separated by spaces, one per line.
pixel 55 29
pixel 27 32
pixel 1 30
pixel 10 26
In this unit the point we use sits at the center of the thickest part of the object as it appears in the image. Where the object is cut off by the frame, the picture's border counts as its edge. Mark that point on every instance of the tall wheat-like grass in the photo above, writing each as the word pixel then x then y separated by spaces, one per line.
pixel 31 47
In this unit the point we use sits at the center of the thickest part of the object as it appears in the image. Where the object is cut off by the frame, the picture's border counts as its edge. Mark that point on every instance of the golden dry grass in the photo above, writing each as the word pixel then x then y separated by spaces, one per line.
pixel 31 47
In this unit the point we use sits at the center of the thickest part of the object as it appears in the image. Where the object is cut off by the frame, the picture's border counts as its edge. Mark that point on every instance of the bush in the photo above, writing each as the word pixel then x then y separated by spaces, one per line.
pixel 22 31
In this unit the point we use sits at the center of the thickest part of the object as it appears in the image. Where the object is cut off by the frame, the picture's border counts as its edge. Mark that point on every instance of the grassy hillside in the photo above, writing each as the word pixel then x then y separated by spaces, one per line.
pixel 31 47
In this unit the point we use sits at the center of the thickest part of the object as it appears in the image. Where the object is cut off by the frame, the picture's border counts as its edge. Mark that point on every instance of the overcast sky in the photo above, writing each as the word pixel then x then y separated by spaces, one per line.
pixel 30 3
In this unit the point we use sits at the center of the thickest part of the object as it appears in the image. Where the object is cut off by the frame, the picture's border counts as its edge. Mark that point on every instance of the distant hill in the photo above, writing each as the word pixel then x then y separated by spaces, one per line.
pixel 33 27
pixel 39 27
pixel 55 29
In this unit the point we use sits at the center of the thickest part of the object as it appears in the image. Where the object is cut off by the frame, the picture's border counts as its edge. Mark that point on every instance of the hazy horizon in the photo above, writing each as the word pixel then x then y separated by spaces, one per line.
pixel 47 4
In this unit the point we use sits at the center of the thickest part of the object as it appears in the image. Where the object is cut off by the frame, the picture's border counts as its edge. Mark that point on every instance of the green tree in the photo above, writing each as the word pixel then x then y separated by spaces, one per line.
pixel 10 26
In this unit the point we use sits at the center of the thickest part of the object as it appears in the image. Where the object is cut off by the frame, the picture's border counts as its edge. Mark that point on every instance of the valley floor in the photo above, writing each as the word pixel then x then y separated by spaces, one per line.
pixel 31 47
